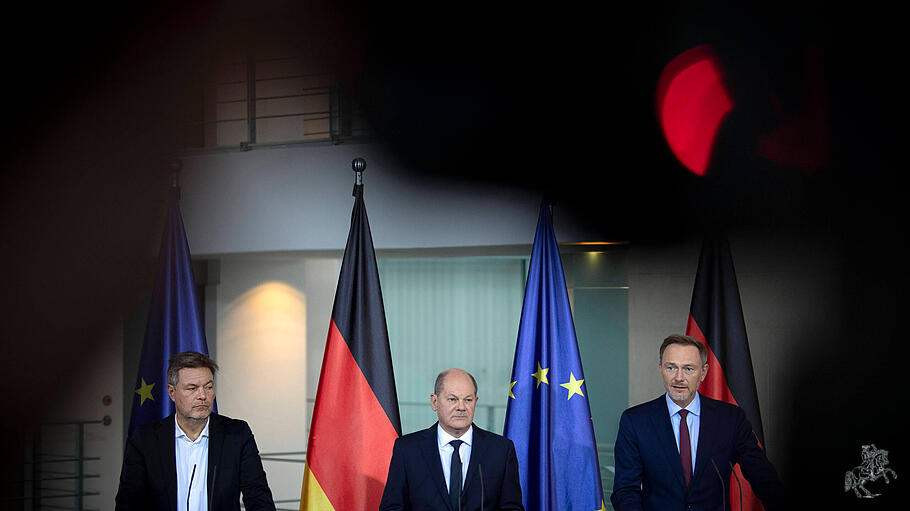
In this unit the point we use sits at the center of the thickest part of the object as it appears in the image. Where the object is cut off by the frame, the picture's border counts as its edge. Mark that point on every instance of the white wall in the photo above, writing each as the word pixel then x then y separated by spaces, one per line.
pixel 272 314
pixel 299 198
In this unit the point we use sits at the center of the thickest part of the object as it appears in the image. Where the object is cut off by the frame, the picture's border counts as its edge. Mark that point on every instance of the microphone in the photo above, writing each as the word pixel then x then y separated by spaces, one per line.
pixel 190 488
pixel 723 488
pixel 738 483
pixel 480 472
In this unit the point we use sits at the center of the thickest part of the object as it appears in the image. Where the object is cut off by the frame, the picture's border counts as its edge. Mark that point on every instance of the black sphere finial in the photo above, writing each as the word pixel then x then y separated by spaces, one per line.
pixel 358 164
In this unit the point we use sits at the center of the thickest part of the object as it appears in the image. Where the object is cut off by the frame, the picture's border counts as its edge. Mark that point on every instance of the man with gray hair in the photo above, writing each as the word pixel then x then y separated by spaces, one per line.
pixel 192 460
pixel 453 465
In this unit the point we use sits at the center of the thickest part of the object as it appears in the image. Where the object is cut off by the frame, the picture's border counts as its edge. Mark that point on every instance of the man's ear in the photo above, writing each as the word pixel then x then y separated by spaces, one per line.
pixel 433 402
pixel 170 392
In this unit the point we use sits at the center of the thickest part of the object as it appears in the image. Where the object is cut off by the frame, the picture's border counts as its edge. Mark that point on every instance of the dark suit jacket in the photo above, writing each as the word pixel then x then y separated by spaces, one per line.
pixel 148 479
pixel 416 481
pixel 649 470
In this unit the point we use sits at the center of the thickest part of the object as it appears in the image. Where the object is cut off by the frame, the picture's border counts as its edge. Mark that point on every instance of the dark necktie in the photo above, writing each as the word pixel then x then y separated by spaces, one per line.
pixel 685 447
pixel 455 476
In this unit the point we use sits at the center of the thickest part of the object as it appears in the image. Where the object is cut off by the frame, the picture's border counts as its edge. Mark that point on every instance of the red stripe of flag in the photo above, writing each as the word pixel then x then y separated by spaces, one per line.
pixel 353 430
pixel 716 319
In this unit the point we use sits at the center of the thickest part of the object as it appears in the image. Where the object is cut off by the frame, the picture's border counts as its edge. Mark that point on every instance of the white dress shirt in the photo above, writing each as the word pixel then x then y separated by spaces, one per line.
pixel 693 420
pixel 191 453
pixel 445 451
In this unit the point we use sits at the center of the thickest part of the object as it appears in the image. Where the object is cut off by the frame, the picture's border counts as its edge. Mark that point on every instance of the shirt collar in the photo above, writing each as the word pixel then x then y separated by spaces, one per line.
pixel 694 407
pixel 443 437
pixel 179 432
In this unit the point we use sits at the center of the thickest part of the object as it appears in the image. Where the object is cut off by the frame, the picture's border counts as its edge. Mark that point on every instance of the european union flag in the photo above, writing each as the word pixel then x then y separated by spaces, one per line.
pixel 548 416
pixel 174 322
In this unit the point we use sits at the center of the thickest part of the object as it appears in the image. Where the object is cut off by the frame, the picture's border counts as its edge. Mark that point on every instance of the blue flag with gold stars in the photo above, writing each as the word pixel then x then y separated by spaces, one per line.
pixel 548 416
pixel 174 322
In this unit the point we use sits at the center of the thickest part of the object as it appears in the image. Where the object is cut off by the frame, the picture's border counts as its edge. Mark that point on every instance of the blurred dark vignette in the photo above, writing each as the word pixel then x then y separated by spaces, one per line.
pixel 557 98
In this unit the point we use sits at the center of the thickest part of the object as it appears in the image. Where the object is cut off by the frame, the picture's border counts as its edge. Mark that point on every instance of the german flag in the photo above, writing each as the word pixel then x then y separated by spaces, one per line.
pixel 716 319
pixel 355 418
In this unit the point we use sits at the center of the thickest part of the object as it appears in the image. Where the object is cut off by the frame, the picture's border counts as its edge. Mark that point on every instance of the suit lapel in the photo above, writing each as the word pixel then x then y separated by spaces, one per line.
pixel 477 451
pixel 216 442
pixel 430 454
pixel 706 429
pixel 660 418
pixel 165 439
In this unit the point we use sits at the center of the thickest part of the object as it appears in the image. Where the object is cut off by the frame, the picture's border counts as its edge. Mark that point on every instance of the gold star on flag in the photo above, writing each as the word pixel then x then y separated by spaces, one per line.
pixel 510 389
pixel 541 375
pixel 603 506
pixel 145 392
pixel 573 386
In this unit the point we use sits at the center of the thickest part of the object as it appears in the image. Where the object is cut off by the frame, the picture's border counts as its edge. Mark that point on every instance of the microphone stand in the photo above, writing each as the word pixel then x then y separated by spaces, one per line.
pixel 738 483
pixel 723 488
pixel 190 488
pixel 212 491
pixel 480 472
pixel 460 487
